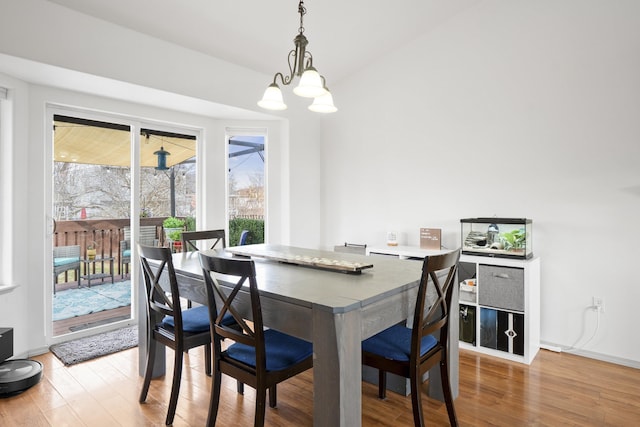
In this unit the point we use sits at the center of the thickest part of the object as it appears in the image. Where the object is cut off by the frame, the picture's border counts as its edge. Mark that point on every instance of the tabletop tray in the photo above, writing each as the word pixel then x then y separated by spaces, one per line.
pixel 340 265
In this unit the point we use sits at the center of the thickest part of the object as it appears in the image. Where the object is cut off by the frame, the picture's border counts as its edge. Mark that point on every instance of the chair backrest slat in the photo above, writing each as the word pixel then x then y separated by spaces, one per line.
pixel 66 251
pixel 438 275
pixel 351 248
pixel 160 300
pixel 190 237
pixel 148 235
pixel 237 273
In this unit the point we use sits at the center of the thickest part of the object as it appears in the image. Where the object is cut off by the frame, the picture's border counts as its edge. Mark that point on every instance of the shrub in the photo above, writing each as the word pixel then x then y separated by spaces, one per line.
pixel 191 223
pixel 255 227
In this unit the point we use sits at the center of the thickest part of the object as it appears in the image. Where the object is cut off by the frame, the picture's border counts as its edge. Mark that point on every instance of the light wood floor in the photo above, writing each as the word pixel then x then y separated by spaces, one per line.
pixel 556 390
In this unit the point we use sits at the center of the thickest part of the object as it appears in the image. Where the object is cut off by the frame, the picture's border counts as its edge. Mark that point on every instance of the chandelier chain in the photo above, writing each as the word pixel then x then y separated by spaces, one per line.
pixel 302 11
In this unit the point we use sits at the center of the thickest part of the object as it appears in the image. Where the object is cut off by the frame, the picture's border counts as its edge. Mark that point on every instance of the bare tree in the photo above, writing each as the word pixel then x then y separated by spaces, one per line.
pixel 105 192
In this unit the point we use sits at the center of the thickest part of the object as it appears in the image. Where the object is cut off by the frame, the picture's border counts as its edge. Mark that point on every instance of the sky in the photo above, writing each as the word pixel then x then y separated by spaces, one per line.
pixel 242 167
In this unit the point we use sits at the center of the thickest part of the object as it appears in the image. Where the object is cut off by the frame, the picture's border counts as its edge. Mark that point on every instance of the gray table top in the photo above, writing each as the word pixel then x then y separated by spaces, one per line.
pixel 322 289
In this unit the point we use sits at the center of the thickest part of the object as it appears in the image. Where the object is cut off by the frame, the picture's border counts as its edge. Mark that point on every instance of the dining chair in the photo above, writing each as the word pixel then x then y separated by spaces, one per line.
pixel 65 258
pixel 167 323
pixel 259 358
pixel 190 237
pixel 351 248
pixel 411 352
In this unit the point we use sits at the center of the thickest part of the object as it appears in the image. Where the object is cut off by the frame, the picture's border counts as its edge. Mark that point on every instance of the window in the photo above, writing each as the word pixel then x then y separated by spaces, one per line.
pixel 246 190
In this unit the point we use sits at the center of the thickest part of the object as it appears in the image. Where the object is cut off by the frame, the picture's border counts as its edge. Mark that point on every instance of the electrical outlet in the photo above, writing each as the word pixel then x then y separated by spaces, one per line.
pixel 598 304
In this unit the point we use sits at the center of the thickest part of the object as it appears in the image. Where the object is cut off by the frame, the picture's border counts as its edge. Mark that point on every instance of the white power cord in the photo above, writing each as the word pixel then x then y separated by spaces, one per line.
pixel 573 347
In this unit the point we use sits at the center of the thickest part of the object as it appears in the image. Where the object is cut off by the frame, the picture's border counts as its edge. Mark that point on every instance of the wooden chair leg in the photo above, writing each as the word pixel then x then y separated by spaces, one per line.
pixel 448 396
pixel 151 356
pixel 382 384
pixel 175 386
pixel 214 401
pixel 207 359
pixel 261 398
pixel 416 398
pixel 240 387
pixel 273 398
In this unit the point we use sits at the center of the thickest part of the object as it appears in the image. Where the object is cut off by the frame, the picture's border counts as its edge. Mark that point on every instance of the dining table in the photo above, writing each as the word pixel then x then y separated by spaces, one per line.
pixel 334 300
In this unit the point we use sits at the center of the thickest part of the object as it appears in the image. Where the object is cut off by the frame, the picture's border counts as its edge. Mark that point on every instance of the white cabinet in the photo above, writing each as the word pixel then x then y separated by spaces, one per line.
pixel 500 314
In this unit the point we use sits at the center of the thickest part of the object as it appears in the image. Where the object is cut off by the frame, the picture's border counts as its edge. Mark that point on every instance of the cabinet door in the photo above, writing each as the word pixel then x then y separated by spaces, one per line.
pixel 501 287
pixel 467 324
pixel 501 330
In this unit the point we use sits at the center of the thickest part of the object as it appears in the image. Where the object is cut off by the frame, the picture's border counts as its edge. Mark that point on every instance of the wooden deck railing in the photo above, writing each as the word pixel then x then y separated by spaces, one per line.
pixel 105 234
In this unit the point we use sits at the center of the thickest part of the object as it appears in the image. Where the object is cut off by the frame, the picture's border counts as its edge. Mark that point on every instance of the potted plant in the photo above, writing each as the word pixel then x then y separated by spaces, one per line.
pixel 171 225
pixel 91 250
pixel 174 237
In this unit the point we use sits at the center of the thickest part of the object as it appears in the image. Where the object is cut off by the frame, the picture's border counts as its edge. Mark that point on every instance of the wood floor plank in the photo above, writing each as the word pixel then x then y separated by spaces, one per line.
pixel 556 389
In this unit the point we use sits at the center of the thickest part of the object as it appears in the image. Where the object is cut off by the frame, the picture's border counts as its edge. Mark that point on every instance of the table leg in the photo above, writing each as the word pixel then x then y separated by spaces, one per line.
pixel 337 396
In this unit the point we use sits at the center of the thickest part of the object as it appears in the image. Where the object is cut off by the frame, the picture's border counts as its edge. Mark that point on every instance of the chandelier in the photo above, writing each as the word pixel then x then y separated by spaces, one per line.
pixel 312 84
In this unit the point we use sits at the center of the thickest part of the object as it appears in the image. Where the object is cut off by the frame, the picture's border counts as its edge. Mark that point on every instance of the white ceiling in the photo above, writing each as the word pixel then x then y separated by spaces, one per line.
pixel 344 35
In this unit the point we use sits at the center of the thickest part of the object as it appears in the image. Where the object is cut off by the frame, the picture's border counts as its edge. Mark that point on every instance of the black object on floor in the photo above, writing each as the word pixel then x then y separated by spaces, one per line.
pixel 18 375
pixel 15 375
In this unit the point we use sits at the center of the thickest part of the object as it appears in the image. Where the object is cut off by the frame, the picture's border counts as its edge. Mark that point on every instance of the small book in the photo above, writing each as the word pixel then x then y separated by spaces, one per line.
pixel 430 238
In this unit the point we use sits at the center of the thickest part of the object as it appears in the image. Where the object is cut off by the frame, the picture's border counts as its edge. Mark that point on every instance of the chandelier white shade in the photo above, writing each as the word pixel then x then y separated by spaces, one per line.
pixel 311 85
pixel 272 98
pixel 323 104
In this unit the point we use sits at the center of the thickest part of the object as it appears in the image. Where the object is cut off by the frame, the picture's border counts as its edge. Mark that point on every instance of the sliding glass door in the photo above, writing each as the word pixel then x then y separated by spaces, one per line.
pixel 112 180
pixel 91 209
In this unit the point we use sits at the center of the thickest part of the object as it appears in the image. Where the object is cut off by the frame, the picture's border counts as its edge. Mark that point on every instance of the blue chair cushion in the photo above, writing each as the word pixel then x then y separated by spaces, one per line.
pixel 126 253
pixel 395 343
pixel 57 262
pixel 196 319
pixel 193 320
pixel 282 351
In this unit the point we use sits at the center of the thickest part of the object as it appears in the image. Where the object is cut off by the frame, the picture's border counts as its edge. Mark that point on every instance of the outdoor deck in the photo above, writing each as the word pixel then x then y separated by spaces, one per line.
pixel 106 235
pixel 74 324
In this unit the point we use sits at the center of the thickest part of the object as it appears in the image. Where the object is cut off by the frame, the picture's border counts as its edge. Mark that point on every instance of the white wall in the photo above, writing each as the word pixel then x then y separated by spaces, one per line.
pixel 515 109
pixel 14 311
pixel 49 54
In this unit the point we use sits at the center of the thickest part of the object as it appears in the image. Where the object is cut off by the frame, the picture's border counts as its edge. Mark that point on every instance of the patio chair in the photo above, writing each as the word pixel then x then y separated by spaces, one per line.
pixel 244 236
pixel 147 238
pixel 65 258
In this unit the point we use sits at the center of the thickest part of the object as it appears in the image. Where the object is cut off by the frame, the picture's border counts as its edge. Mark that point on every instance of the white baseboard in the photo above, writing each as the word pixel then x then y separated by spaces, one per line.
pixel 592 355
pixel 550 347
pixel 33 352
